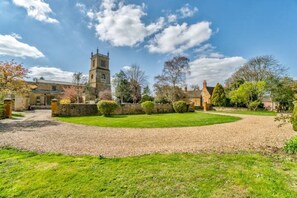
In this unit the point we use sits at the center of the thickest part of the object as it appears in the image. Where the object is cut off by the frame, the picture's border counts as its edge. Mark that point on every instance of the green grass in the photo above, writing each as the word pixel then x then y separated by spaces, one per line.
pixel 27 174
pixel 152 121
pixel 248 112
pixel 17 114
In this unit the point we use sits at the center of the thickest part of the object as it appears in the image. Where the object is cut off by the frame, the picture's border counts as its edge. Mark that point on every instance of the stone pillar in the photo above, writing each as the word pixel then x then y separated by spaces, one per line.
pixel 205 106
pixel 7 108
pixel 54 107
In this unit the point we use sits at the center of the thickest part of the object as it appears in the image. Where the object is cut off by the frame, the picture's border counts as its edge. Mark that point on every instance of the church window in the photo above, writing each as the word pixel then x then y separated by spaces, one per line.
pixel 103 76
pixel 103 63
pixel 92 76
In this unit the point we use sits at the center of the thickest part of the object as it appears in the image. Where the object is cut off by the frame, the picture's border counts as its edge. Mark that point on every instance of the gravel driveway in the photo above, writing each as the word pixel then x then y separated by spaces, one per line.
pixel 38 132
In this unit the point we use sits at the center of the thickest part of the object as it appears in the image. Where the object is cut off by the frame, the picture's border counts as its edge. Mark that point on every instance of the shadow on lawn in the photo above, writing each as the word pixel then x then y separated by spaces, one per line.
pixel 26 126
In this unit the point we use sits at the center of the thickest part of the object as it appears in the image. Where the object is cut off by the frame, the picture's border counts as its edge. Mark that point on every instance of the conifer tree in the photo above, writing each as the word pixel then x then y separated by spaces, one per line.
pixel 218 97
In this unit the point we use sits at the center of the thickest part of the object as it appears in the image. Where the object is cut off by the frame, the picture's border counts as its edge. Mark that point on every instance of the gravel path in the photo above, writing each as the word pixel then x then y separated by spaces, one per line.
pixel 38 132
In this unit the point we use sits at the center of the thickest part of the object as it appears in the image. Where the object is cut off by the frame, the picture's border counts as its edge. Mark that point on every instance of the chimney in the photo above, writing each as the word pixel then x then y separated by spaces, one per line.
pixel 91 54
pixel 107 54
pixel 186 88
pixel 97 51
pixel 204 84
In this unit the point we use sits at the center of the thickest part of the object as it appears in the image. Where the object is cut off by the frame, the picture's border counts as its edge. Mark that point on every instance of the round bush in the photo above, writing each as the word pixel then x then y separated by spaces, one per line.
pixel 180 106
pixel 65 101
pixel 148 107
pixel 291 146
pixel 107 107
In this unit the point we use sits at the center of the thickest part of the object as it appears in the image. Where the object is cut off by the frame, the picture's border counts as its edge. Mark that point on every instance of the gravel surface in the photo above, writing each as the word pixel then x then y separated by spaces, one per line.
pixel 38 132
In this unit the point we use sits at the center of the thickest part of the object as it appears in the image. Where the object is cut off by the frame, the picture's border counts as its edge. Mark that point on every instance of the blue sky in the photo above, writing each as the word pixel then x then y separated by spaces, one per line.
pixel 55 38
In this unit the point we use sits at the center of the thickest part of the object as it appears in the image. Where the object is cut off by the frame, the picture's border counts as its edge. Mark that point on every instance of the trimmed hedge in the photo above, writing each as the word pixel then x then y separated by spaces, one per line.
pixel 148 107
pixel 180 106
pixel 107 107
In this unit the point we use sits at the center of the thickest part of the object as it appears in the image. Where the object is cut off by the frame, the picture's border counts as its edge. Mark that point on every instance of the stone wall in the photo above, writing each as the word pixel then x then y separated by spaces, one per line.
pixel 77 110
pixel 91 109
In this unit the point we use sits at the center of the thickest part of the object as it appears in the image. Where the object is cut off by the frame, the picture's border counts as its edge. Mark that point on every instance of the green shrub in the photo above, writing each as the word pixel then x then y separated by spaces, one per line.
pixel 180 106
pixel 145 98
pixel 1 111
pixel 148 107
pixel 107 107
pixel 291 146
pixel 254 105
pixel 294 117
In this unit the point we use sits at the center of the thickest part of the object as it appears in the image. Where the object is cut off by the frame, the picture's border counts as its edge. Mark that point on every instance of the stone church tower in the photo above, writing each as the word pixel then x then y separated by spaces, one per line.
pixel 99 74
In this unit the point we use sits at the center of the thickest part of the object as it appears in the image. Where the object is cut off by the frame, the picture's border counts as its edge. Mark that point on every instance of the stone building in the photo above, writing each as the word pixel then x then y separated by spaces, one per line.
pixel 43 91
pixel 99 74
pixel 198 97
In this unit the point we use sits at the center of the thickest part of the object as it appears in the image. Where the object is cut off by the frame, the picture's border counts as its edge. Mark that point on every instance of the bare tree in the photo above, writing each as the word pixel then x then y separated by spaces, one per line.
pixel 257 69
pixel 79 80
pixel 137 79
pixel 173 75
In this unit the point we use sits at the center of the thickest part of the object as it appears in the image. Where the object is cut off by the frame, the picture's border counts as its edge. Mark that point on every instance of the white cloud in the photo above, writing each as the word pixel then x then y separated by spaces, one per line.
pixel 213 69
pixel 178 38
pixel 37 9
pixel 126 67
pixel 187 11
pixel 81 7
pixel 208 50
pixel 51 73
pixel 172 18
pixel 121 24
pixel 11 46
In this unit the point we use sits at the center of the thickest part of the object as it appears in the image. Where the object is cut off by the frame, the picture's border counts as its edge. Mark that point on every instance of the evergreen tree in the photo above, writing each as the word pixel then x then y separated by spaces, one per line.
pixel 218 97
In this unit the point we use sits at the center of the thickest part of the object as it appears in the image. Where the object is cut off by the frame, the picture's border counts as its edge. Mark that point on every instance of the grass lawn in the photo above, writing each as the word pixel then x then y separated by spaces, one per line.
pixel 27 174
pixel 247 112
pixel 152 121
pixel 17 114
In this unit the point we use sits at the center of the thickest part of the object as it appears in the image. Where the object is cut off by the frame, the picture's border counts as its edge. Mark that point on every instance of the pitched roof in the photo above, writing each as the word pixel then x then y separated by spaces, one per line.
pixel 210 90
pixel 53 82
pixel 194 93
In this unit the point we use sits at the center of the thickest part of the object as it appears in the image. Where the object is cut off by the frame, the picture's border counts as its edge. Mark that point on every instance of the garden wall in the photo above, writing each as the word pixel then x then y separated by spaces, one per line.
pixel 91 109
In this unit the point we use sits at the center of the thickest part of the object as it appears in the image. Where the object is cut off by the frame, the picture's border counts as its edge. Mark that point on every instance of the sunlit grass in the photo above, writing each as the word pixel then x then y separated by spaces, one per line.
pixel 27 174
pixel 152 121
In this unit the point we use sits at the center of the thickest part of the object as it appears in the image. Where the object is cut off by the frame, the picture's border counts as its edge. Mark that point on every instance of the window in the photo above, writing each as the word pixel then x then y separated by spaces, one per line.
pixel 92 76
pixel 103 63
pixel 54 88
pixel 103 77
pixel 94 62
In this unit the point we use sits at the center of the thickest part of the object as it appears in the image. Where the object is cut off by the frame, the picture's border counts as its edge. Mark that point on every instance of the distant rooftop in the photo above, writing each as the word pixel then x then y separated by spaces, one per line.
pixel 53 82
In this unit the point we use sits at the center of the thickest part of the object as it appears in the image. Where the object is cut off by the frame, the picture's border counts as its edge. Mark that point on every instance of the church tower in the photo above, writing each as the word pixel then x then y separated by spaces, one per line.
pixel 99 74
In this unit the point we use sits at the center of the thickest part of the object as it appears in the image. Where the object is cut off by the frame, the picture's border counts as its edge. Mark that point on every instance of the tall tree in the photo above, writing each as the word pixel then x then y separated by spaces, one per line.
pixel 218 97
pixel 248 92
pixel 79 80
pixel 282 91
pixel 121 87
pixel 137 79
pixel 257 69
pixel 173 75
pixel 12 78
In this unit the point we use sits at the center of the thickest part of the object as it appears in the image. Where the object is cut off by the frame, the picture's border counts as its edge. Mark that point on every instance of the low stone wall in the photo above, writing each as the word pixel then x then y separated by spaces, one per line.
pixel 77 110
pixel 91 109
pixel 229 109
